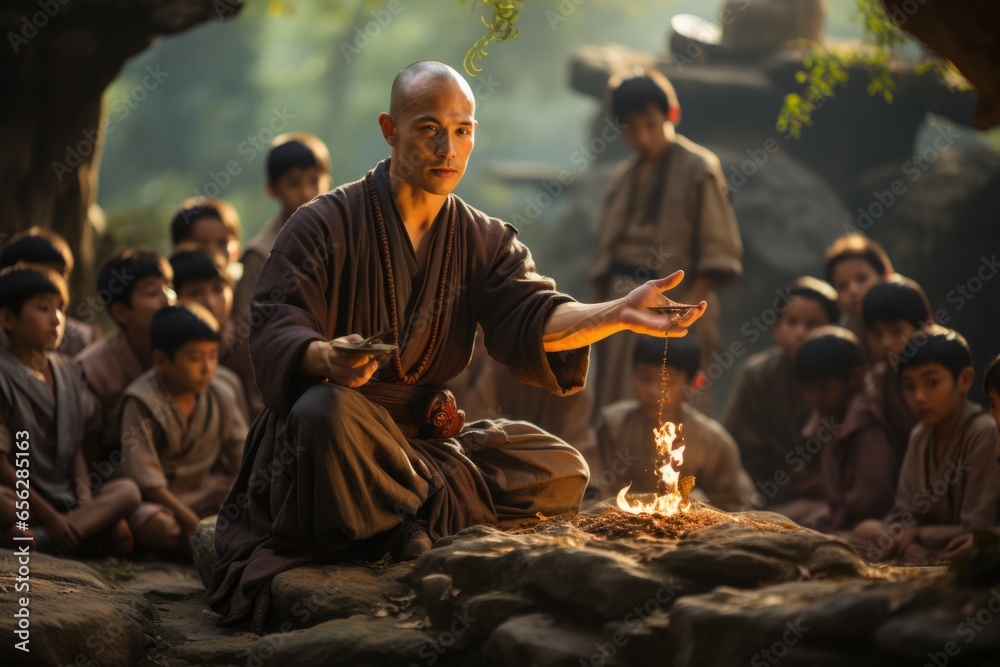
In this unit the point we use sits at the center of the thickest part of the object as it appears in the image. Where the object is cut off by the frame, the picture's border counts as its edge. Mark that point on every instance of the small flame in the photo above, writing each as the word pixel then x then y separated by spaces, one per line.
pixel 669 498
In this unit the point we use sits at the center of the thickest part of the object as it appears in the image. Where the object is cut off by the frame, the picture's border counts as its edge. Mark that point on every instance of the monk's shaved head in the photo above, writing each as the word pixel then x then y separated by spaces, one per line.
pixel 408 83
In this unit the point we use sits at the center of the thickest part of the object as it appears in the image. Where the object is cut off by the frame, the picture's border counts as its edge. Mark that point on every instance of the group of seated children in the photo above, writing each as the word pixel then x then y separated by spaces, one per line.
pixel 856 423
pixel 109 443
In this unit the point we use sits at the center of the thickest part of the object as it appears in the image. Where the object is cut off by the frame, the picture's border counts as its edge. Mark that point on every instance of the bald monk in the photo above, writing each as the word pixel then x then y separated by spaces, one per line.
pixel 357 455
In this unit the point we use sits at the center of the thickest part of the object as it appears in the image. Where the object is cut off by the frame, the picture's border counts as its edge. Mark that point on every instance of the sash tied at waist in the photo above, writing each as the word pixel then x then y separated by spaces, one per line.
pixel 431 408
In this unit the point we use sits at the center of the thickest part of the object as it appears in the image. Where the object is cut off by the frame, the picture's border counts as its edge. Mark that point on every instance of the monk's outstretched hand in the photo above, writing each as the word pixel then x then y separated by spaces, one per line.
pixel 343 367
pixel 636 314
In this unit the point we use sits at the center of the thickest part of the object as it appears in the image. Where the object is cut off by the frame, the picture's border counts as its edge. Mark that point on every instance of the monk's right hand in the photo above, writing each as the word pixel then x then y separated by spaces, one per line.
pixel 348 369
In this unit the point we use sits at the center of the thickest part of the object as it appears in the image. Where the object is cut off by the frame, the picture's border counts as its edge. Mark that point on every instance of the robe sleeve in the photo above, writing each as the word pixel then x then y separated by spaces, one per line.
pixel 291 304
pixel 515 303
pixel 719 248
pixel 981 468
pixel 140 460
pixel 234 435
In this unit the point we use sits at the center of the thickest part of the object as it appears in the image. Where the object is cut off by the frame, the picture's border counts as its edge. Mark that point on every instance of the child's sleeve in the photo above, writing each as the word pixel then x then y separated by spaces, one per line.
pixel 139 458
pixel 981 469
pixel 909 483
pixel 719 248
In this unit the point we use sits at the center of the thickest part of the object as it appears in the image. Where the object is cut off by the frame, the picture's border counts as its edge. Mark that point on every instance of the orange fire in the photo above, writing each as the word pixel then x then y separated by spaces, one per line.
pixel 669 498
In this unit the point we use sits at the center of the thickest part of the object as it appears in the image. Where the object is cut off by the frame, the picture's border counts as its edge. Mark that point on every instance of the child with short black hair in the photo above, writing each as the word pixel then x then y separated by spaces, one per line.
pixel 854 264
pixel 47 248
pixel 948 483
pixel 893 311
pixel 211 224
pixel 44 414
pixel 298 170
pixel 133 285
pixel 766 410
pixel 858 462
pixel 625 430
pixel 200 277
pixel 182 433
pixel 670 195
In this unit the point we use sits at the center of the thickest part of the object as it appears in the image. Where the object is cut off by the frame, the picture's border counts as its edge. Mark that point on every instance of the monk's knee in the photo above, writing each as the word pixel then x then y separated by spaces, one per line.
pixel 321 405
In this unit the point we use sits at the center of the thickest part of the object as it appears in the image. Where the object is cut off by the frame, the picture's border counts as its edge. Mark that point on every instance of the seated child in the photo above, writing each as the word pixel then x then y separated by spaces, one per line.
pixel 859 463
pixel 948 483
pixel 766 410
pixel 200 277
pixel 182 432
pixel 211 224
pixel 854 263
pixel 134 284
pixel 893 311
pixel 625 430
pixel 44 414
pixel 45 247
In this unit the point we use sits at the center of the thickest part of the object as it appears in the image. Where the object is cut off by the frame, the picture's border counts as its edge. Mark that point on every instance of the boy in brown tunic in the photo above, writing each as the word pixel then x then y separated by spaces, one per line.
pixel 948 483
pixel 134 285
pixel 44 414
pixel 625 432
pixel 766 410
pixel 894 310
pixel 376 459
pixel 182 430
pixel 859 463
pixel 666 209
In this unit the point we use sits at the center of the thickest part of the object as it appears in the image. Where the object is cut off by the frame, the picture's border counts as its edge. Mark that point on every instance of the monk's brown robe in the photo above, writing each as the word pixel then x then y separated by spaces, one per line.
pixel 679 217
pixel 331 471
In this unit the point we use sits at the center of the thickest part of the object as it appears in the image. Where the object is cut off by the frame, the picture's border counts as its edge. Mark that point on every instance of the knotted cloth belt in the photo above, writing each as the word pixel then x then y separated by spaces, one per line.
pixel 431 408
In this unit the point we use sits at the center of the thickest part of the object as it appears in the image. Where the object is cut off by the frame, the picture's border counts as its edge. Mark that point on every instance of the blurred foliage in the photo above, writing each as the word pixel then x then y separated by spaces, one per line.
pixel 498 29
pixel 828 69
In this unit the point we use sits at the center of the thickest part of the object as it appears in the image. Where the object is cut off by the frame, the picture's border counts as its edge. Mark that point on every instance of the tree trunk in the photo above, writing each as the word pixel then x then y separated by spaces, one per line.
pixel 963 32
pixel 58 58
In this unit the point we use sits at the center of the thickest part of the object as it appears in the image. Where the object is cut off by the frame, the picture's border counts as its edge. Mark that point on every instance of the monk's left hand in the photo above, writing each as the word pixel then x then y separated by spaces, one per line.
pixel 637 316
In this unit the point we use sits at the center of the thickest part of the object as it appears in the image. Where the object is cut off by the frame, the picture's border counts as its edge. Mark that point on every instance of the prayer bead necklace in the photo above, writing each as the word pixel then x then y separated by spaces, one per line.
pixel 411 378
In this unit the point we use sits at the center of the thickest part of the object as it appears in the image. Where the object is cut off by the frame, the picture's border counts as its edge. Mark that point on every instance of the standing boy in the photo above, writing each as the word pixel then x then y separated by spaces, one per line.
pixel 182 433
pixel 858 462
pixel 44 414
pixel 668 208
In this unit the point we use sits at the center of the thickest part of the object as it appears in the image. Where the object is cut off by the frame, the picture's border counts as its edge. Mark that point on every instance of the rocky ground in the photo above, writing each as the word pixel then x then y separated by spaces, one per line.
pixel 606 589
